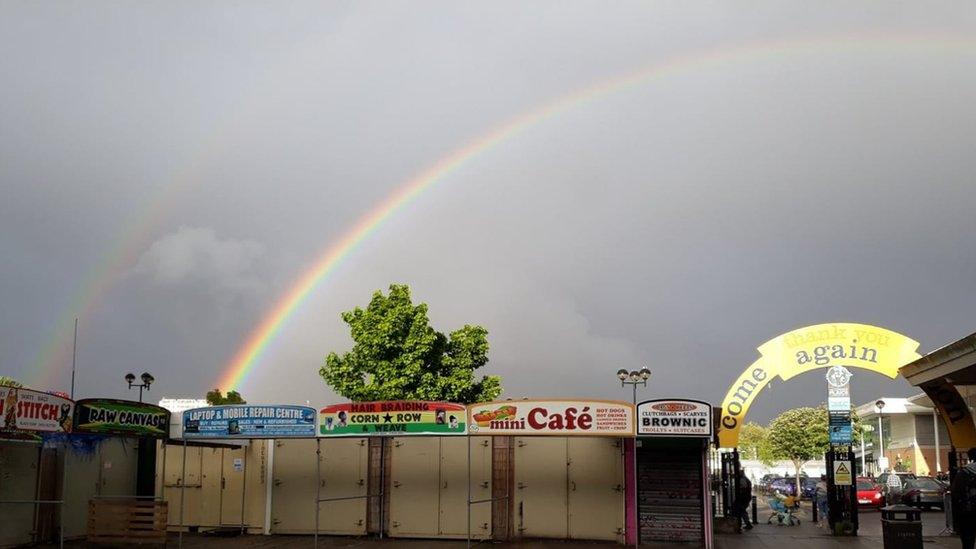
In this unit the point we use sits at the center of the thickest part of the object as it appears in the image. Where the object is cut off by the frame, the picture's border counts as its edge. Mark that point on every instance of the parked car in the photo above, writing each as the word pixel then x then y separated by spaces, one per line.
pixel 808 487
pixel 765 481
pixel 883 481
pixel 869 493
pixel 785 486
pixel 924 492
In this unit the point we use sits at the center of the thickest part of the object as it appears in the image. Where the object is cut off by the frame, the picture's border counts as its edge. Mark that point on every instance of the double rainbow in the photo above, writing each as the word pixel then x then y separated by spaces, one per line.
pixel 332 257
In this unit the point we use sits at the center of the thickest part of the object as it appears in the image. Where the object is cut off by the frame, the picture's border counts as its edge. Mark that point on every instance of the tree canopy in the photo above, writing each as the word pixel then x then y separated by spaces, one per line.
pixel 216 398
pixel 6 381
pixel 397 355
pixel 801 435
pixel 751 439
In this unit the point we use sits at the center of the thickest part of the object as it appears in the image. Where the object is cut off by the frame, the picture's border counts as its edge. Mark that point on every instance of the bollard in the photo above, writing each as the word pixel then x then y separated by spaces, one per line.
pixel 815 507
pixel 755 512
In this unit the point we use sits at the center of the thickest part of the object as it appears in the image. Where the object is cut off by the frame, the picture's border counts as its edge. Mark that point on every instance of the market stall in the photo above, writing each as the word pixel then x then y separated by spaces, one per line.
pixel 568 464
pixel 29 421
pixel 224 462
pixel 672 450
pixel 416 484
pixel 118 438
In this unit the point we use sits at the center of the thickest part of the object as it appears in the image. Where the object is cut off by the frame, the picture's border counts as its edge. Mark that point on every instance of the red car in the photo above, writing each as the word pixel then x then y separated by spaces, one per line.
pixel 869 494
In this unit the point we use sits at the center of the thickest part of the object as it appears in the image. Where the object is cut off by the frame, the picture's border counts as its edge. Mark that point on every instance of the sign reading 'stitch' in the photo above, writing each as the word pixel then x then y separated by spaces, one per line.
pixel 249 421
pixel 821 346
pixel 120 417
pixel 553 417
pixel 674 418
pixel 398 418
pixel 27 410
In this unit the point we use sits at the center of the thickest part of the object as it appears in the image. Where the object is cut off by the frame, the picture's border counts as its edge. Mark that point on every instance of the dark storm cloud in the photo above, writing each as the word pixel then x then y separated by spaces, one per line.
pixel 677 223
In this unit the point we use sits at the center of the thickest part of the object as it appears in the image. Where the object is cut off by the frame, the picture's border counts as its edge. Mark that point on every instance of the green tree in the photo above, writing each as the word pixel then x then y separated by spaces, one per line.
pixel 751 437
pixel 396 355
pixel 6 381
pixel 800 435
pixel 216 398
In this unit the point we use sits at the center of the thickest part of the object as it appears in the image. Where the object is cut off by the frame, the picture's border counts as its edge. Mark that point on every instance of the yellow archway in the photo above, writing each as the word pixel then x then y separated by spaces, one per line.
pixel 820 347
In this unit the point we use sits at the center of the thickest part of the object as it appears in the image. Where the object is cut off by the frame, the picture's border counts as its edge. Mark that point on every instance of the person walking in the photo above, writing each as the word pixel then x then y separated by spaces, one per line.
pixel 894 487
pixel 743 497
pixel 820 500
pixel 963 491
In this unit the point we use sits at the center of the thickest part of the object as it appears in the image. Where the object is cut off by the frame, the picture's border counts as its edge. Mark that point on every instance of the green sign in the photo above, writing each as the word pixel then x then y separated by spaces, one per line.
pixel 120 417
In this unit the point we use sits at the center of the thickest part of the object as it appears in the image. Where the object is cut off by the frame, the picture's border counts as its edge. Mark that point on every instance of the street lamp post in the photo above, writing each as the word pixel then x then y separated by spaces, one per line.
pixel 147 380
pixel 635 378
pixel 880 404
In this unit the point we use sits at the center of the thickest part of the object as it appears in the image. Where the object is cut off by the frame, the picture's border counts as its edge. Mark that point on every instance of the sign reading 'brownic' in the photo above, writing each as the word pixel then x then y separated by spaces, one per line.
pixel 553 417
pixel 120 417
pixel 406 417
pixel 27 410
pixel 249 422
pixel 674 418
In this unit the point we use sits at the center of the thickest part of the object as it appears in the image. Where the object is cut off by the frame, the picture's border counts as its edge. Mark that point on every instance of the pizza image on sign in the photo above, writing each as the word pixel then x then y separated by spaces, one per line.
pixel 399 418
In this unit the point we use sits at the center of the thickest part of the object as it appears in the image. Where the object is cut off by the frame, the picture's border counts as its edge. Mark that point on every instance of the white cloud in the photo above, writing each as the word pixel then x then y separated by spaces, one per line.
pixel 197 256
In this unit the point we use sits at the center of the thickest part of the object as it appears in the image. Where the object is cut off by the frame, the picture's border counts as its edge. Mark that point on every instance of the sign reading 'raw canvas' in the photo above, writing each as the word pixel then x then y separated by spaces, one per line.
pixel 553 417
pixel 674 418
pixel 27 410
pixel 249 422
pixel 120 417
pixel 407 417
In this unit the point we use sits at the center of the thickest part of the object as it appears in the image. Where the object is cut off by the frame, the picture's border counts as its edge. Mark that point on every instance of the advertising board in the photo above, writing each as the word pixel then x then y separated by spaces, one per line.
pixel 395 418
pixel 28 410
pixel 674 418
pixel 120 417
pixel 553 417
pixel 247 421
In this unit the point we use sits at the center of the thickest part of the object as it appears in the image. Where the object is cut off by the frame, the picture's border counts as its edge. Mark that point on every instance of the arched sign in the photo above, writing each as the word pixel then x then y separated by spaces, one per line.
pixel 814 347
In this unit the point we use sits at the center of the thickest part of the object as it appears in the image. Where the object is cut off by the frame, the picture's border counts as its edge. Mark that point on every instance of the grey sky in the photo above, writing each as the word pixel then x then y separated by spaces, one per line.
pixel 678 223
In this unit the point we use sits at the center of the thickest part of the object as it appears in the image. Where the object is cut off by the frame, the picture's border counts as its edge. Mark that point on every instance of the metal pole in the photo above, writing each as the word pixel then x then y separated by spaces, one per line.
pixel 636 477
pixel 318 483
pixel 74 354
pixel 182 493
pixel 935 427
pixel 37 488
pixel 864 465
pixel 880 441
pixel 382 486
pixel 244 489
pixel 64 493
pixel 467 440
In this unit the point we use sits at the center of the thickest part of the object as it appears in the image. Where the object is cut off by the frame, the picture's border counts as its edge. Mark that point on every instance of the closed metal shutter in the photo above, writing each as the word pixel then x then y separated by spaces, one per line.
pixel 670 494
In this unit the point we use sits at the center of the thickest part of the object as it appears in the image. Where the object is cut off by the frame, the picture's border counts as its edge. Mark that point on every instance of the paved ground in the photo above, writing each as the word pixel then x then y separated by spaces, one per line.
pixel 805 536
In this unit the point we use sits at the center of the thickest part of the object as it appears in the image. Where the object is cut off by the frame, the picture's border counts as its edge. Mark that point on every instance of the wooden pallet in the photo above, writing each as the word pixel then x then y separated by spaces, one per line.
pixel 127 521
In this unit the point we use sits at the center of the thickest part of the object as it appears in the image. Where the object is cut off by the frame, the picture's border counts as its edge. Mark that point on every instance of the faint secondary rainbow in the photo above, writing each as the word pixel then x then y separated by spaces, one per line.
pixel 333 256
pixel 51 363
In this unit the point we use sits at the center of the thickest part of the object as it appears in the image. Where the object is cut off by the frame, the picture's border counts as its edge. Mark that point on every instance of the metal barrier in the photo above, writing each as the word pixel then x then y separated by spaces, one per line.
pixel 947 509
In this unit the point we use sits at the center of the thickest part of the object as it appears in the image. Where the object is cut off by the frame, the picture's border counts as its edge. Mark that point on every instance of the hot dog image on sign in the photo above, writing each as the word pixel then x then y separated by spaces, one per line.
pixel 407 417
pixel 674 418
pixel 552 417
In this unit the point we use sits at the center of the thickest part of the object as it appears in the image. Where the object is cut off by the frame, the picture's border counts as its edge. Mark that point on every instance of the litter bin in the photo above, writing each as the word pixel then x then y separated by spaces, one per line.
pixel 901 527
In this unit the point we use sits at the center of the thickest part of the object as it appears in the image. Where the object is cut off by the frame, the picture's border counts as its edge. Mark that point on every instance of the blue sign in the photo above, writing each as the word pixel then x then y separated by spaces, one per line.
pixel 841 434
pixel 247 421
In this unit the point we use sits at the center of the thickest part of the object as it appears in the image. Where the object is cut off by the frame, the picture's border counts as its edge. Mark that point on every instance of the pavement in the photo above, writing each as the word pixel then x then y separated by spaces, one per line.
pixel 806 535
